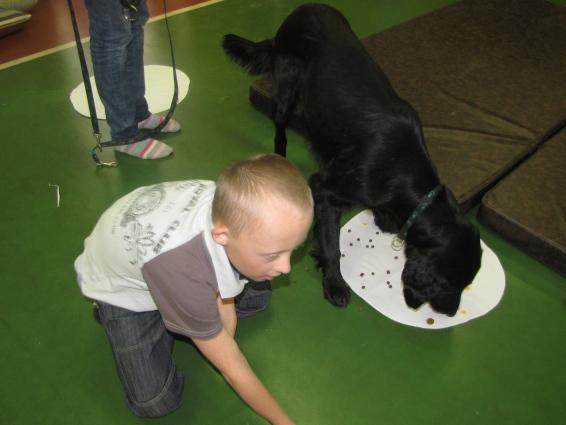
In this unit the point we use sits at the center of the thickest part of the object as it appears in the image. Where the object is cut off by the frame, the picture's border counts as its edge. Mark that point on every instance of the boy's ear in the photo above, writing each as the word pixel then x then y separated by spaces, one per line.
pixel 220 234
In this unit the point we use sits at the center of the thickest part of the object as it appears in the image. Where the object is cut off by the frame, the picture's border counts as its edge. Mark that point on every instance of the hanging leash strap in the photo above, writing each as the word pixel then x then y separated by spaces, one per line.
pixel 86 79
pixel 131 10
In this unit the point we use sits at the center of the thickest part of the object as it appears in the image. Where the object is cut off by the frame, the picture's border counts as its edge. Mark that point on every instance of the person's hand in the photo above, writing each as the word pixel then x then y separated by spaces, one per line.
pixel 223 352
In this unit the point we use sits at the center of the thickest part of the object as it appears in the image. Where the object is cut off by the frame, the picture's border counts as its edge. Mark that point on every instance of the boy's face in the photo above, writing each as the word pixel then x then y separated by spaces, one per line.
pixel 263 251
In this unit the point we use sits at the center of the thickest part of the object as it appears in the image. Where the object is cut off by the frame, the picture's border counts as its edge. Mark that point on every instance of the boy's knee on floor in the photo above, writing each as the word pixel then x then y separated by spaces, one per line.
pixel 164 403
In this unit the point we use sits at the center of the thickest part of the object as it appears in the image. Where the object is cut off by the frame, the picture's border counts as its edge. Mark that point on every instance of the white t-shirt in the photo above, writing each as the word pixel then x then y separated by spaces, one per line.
pixel 139 227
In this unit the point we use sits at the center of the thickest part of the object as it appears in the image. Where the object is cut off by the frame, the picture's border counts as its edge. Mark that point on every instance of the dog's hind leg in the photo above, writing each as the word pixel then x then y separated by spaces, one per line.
pixel 326 251
pixel 286 77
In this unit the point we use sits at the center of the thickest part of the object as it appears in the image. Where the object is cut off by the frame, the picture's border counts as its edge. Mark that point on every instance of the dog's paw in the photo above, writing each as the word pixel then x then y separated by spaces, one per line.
pixel 338 295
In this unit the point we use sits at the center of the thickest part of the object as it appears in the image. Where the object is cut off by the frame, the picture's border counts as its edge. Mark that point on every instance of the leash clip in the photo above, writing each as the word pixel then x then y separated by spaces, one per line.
pixel 99 163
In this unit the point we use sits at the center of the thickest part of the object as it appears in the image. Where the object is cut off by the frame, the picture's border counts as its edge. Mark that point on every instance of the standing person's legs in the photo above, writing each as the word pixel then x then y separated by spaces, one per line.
pixel 143 353
pixel 117 57
pixel 135 63
pixel 110 40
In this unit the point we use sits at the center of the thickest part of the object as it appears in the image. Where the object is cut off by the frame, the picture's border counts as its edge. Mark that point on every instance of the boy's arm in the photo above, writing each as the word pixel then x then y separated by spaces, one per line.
pixel 227 310
pixel 223 352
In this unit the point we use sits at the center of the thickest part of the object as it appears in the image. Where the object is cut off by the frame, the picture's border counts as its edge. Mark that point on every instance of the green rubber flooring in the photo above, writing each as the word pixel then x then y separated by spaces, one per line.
pixel 325 365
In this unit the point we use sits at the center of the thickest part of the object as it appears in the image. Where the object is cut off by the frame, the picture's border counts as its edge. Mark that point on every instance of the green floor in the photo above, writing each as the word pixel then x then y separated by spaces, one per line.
pixel 325 365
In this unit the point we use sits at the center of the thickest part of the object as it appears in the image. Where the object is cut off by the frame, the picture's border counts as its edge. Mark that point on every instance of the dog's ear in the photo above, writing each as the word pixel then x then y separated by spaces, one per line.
pixel 438 274
pixel 459 261
pixel 421 282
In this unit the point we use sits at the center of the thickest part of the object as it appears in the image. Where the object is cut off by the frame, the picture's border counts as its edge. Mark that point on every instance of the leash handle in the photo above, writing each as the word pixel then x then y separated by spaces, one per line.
pixel 130 9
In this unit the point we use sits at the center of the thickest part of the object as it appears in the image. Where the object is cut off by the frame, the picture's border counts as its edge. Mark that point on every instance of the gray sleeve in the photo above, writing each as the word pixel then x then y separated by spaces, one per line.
pixel 180 284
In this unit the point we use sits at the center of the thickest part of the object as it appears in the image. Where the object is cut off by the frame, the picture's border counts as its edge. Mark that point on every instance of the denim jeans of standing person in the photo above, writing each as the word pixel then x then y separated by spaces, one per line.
pixel 116 45
pixel 143 352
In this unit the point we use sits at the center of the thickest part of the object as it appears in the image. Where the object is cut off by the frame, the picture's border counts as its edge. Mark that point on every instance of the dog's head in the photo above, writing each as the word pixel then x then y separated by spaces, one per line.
pixel 440 265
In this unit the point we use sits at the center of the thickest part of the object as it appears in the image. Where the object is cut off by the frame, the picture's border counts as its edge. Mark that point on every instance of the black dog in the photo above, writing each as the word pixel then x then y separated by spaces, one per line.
pixel 371 151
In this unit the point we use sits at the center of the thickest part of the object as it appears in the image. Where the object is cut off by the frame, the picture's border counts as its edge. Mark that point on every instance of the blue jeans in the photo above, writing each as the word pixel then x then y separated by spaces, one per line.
pixel 143 353
pixel 116 46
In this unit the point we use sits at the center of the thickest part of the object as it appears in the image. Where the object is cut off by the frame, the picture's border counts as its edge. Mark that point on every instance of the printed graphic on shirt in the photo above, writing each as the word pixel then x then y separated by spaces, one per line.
pixel 182 186
pixel 147 201
pixel 140 239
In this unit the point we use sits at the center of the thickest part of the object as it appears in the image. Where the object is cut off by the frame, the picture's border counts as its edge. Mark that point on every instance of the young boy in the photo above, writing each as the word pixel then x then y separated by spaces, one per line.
pixel 170 258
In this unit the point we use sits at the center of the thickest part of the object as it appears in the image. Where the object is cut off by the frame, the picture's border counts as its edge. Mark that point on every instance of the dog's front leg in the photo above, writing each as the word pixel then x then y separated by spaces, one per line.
pixel 326 250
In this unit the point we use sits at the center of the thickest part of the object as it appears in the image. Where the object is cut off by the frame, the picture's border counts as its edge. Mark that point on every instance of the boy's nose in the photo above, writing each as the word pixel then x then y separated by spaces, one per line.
pixel 283 266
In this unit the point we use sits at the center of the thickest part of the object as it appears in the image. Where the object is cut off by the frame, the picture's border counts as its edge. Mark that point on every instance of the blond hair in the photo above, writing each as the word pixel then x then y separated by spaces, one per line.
pixel 243 188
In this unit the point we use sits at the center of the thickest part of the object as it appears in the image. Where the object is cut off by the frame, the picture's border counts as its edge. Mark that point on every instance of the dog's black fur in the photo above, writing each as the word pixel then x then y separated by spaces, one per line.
pixel 371 151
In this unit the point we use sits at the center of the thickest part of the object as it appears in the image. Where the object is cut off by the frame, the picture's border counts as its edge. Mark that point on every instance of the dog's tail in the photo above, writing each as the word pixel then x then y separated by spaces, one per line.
pixel 253 57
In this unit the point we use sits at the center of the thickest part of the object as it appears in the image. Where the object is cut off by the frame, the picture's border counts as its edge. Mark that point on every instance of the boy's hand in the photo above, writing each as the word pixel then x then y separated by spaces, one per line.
pixel 223 352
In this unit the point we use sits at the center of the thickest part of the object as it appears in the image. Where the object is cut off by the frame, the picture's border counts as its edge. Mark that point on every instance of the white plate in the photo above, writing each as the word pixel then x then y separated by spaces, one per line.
pixel 159 87
pixel 373 270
